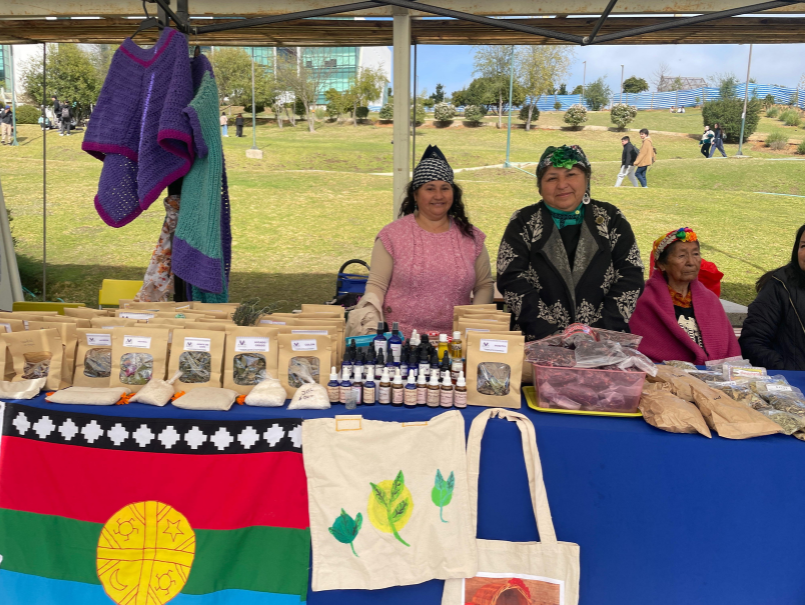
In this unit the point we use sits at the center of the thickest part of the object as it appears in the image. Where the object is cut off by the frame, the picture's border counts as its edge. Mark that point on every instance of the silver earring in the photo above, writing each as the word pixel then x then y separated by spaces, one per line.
pixel 586 198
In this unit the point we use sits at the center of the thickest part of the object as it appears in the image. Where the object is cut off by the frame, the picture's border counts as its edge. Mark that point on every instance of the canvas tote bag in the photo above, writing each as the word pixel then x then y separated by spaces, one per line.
pixel 389 504
pixel 517 572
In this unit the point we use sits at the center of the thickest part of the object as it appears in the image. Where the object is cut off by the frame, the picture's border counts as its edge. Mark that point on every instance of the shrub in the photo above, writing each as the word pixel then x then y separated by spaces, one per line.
pixel 474 113
pixel 333 110
pixel 419 114
pixel 27 114
pixel 575 115
pixel 387 112
pixel 597 94
pixel 320 113
pixel 557 106
pixel 768 101
pixel 772 112
pixel 777 139
pixel 523 115
pixel 794 100
pixel 790 117
pixel 443 112
pixel 299 108
pixel 362 113
pixel 801 148
pixel 621 114
pixel 727 113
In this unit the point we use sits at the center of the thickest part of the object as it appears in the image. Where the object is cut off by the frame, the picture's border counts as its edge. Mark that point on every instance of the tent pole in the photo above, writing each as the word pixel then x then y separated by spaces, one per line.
pixel 413 118
pixel 511 92
pixel 44 172
pixel 746 99
pixel 402 113
pixel 14 142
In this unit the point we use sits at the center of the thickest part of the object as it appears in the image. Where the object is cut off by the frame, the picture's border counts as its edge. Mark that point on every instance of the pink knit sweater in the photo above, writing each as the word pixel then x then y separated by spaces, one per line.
pixel 433 272
pixel 663 339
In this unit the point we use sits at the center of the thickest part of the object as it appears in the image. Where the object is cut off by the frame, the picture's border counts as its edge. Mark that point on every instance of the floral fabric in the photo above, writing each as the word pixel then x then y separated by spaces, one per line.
pixel 158 280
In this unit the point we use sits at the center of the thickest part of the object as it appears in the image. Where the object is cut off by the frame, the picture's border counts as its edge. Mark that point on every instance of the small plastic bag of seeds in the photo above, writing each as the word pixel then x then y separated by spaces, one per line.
pixel 301 368
pixel 788 402
pixel 269 393
pixel 493 378
pixel 707 375
pixel 309 395
pixel 790 423
pixel 684 365
pixel 717 365
pixel 741 393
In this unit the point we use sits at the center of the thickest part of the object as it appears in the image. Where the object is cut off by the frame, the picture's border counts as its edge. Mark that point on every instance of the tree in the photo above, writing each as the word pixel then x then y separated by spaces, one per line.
pixel 493 62
pixel 444 112
pixel 438 96
pixel 726 83
pixel 459 97
pixel 575 115
pixel 677 84
pixel 539 68
pixel 660 73
pixel 727 113
pixel 597 94
pixel 474 113
pixel 621 114
pixel 635 85
pixel 562 90
pixel 579 90
pixel 528 113
pixel 387 112
pixel 233 74
pixel 306 79
pixel 72 76
pixel 337 103
pixel 367 85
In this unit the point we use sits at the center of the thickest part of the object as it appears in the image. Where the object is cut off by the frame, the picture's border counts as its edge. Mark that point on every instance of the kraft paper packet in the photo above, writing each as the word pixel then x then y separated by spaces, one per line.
pixel 36 313
pixel 84 312
pixel 35 354
pixel 730 419
pixel 466 325
pixel 250 352
pixel 277 319
pixel 11 325
pixel 138 355
pixel 336 336
pixel 142 315
pixel 124 303
pixel 316 348
pixel 306 307
pixel 199 355
pixel 107 323
pixel 169 321
pixel 458 309
pixel 494 369
pixel 668 412
pixel 69 339
pixel 480 314
pixel 210 320
pixel 159 306
pixel 227 306
pixel 78 321
pixel 93 365
pixel 182 314
pixel 198 325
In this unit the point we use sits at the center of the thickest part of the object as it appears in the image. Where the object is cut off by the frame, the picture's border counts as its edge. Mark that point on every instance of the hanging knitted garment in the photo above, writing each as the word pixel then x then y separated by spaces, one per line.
pixel 201 246
pixel 138 129
pixel 158 281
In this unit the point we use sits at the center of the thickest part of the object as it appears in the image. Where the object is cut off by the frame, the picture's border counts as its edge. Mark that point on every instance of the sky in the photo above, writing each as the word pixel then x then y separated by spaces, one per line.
pixel 781 64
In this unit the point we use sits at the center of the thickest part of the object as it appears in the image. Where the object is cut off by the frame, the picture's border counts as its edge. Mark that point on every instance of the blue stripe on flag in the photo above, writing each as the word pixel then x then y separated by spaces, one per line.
pixel 23 589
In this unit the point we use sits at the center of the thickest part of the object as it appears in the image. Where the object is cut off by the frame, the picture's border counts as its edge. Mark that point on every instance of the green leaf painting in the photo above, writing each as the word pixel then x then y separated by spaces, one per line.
pixel 442 492
pixel 390 506
pixel 345 529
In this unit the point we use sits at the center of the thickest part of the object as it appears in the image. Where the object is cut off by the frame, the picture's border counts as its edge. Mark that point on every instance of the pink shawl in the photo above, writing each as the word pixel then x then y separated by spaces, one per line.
pixel 663 339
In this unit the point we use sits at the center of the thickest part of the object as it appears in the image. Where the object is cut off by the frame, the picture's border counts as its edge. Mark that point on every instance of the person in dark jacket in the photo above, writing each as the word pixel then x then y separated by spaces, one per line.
pixel 773 334
pixel 568 258
pixel 239 125
pixel 7 125
pixel 628 158
pixel 65 117
pixel 718 140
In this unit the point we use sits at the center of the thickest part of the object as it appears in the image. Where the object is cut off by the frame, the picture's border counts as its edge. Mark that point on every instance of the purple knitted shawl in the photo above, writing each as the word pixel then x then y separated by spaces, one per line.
pixel 138 128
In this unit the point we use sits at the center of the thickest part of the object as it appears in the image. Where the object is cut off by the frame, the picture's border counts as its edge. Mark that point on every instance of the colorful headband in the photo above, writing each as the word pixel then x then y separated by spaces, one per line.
pixel 565 156
pixel 432 167
pixel 684 234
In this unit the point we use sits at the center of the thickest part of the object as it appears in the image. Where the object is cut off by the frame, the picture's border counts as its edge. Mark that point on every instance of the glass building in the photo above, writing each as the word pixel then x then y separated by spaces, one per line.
pixel 5 68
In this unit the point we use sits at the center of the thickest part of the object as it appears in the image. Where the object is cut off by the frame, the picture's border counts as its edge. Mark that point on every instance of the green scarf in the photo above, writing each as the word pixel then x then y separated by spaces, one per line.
pixel 562 219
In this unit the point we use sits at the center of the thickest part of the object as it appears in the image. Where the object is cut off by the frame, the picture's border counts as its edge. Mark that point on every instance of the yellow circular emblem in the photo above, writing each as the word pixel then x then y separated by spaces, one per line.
pixel 145 553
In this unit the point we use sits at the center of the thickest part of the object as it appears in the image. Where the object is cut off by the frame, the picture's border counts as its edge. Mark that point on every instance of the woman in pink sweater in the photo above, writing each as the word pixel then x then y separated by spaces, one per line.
pixel 677 316
pixel 428 260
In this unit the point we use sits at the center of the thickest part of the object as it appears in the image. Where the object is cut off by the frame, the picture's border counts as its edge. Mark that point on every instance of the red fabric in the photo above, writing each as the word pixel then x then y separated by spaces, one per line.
pixel 663 339
pixel 709 275
pixel 229 491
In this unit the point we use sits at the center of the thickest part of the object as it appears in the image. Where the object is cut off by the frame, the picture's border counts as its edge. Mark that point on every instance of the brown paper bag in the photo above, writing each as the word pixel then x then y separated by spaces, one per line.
pixel 250 353
pixel 138 355
pixel 228 306
pixel 731 419
pixel 200 325
pixel 107 323
pixel 80 322
pixel 11 325
pixel 84 312
pixel 135 314
pixel 219 320
pixel 321 327
pixel 199 355
pixel 69 340
pixel 668 412
pixel 159 306
pixel 308 308
pixel 313 350
pixel 93 366
pixel 494 369
pixel 36 353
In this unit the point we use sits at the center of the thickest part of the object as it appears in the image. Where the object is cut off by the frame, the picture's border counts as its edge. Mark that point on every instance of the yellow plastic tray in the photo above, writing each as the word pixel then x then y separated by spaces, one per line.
pixel 531 398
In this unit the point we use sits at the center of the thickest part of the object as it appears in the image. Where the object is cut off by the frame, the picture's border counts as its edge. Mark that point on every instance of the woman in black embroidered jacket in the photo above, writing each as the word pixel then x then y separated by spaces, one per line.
pixel 568 258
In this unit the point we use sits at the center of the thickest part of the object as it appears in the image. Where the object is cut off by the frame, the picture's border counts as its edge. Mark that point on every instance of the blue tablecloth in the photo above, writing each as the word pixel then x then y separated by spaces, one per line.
pixel 661 518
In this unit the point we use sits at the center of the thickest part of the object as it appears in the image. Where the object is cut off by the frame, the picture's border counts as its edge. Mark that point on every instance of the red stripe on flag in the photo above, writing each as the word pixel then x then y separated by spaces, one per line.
pixel 227 491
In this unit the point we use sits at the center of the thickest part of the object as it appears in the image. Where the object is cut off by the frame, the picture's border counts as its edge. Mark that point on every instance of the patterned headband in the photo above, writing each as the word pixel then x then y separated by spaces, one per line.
pixel 432 167
pixel 684 234
pixel 565 156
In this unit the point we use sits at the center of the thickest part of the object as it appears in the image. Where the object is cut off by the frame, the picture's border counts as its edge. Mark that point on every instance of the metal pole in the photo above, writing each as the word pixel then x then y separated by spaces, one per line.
pixel 621 101
pixel 13 101
pixel 584 79
pixel 746 99
pixel 402 112
pixel 254 116
pixel 413 119
pixel 511 95
pixel 44 172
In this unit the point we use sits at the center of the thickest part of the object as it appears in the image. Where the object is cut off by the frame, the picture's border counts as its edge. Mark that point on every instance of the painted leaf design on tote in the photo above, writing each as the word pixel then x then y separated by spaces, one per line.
pixel 345 529
pixel 390 506
pixel 442 492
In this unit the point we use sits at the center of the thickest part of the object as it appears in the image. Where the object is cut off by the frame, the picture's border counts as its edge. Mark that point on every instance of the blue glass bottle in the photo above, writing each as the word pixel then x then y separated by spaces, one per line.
pixel 379 343
pixel 395 344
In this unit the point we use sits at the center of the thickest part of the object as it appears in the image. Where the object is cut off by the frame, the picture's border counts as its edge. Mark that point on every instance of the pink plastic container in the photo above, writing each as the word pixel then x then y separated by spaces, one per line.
pixel 588 390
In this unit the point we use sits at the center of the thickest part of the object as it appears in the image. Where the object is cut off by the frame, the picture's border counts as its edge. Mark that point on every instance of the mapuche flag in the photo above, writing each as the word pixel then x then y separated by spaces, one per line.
pixel 148 511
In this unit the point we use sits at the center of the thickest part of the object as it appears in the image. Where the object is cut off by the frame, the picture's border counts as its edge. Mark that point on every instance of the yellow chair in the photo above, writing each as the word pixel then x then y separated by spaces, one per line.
pixel 23 306
pixel 112 290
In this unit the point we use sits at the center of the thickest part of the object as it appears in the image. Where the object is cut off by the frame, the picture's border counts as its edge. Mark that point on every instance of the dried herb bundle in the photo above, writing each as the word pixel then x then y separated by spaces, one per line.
pixel 98 363
pixel 250 311
pixel 302 370
pixel 37 365
pixel 248 369
pixel 493 378
pixel 195 366
pixel 136 368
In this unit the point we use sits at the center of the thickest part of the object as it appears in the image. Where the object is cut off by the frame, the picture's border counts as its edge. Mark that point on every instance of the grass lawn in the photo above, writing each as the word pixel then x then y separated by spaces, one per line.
pixel 313 203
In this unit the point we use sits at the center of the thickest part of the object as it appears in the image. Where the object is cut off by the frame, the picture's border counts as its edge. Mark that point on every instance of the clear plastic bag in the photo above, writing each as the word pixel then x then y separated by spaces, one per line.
pixel 768 385
pixel 707 375
pixel 303 366
pixel 136 368
pixel 791 402
pixel 625 339
pixel 599 354
pixel 575 334
pixel 734 371
pixel 268 393
pixel 493 378
pixel 310 395
pixel 545 355
pixel 683 365
pixel 635 359
pixel 717 365
pixel 98 363
pixel 741 393
pixel 790 423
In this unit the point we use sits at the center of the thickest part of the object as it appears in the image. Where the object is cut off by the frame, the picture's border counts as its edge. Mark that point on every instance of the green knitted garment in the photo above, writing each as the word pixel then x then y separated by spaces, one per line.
pixel 199 223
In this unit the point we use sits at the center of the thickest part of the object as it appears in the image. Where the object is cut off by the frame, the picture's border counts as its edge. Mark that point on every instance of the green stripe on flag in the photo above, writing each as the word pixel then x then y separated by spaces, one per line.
pixel 258 558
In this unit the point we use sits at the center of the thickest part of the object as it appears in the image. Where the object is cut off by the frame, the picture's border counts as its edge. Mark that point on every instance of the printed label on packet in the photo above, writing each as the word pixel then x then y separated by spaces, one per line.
pixel 137 342
pixel 320 332
pixel 271 321
pixel 251 344
pixel 25 323
pixel 6 326
pixel 748 371
pixel 128 315
pixel 494 346
pixel 779 387
pixel 99 340
pixel 303 345
pixel 197 344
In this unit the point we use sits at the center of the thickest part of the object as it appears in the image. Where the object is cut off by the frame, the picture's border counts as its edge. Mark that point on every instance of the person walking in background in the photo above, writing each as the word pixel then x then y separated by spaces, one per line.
pixel 627 162
pixel 707 141
pixel 239 125
pixel 6 119
pixel 645 158
pixel 718 140
pixel 56 107
pixel 224 125
pixel 65 115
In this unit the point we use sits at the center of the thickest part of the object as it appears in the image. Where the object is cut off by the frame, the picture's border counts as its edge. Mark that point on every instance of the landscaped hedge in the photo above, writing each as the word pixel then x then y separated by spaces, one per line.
pixel 727 113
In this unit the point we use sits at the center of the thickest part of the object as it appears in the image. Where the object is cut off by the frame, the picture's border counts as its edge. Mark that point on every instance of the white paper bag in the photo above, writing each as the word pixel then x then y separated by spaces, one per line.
pixel 389 504
pixel 517 572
